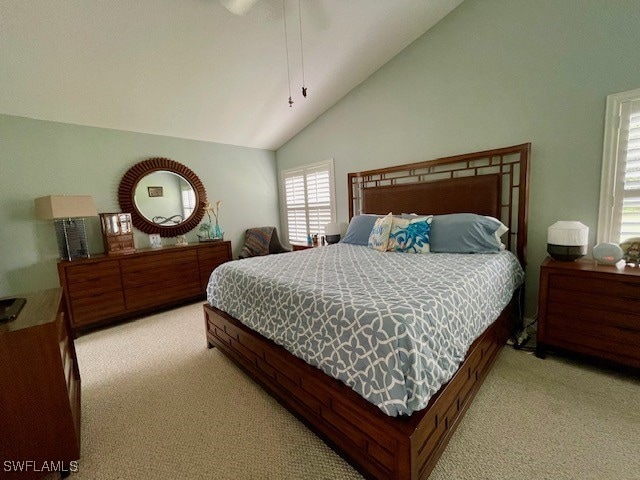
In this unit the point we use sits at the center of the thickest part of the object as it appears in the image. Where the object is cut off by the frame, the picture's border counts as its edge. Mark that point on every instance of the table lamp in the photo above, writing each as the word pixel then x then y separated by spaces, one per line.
pixel 567 241
pixel 68 212
pixel 332 233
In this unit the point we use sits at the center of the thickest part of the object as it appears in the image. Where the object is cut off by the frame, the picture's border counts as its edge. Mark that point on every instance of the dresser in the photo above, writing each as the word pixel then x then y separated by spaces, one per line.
pixel 590 309
pixel 104 289
pixel 39 386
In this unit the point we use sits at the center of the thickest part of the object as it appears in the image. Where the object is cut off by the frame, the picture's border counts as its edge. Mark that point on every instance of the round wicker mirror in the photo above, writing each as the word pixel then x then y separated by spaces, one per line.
pixel 163 197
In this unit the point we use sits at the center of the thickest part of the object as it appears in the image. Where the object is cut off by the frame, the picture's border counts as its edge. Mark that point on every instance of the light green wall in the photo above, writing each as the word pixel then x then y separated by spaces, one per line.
pixel 493 73
pixel 39 158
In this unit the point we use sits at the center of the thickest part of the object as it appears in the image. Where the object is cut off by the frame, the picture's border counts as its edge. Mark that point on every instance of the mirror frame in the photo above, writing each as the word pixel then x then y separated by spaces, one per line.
pixel 127 191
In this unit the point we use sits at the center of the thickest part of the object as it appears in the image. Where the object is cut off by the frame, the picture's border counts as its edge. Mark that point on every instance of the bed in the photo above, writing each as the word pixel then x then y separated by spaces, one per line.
pixel 383 437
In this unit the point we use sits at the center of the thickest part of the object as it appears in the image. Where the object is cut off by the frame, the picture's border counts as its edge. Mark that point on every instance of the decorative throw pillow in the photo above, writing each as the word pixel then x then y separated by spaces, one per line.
pixel 256 242
pixel 359 229
pixel 410 235
pixel 379 236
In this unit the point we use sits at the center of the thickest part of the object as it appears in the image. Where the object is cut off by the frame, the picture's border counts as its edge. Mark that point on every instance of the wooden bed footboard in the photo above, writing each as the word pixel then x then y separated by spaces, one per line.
pixel 379 446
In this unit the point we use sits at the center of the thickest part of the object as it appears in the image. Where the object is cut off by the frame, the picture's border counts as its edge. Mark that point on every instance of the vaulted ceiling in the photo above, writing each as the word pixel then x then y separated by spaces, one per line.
pixel 192 69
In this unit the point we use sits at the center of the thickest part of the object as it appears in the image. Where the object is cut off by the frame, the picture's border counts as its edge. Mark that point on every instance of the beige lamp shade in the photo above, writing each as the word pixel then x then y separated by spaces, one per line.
pixel 567 241
pixel 568 233
pixel 332 233
pixel 65 206
pixel 332 229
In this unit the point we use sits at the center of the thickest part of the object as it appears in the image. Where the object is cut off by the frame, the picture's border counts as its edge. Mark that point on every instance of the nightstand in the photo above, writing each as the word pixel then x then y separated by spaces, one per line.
pixel 590 309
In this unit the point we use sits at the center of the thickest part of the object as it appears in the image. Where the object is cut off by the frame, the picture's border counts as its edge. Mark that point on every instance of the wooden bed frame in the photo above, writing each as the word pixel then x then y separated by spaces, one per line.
pixel 493 182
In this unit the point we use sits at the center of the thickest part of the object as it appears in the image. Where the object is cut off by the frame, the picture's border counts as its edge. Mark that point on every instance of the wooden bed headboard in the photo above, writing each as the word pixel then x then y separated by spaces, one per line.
pixel 492 182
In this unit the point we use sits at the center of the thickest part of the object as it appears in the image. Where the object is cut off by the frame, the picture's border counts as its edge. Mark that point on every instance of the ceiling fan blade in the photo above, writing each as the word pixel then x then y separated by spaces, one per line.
pixel 238 7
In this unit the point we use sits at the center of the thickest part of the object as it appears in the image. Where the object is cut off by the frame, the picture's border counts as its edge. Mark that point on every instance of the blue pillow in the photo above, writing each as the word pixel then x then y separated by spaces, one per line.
pixel 465 233
pixel 359 229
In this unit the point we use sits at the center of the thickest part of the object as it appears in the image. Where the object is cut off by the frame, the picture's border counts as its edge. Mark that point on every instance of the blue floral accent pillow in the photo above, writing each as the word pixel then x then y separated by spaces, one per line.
pixel 410 235
pixel 379 236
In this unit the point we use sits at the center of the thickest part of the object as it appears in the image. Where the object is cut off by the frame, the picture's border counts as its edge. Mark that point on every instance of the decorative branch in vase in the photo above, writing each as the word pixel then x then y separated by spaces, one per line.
pixel 211 232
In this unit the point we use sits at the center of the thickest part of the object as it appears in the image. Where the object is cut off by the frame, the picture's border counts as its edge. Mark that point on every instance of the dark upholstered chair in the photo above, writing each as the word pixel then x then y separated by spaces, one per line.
pixel 261 241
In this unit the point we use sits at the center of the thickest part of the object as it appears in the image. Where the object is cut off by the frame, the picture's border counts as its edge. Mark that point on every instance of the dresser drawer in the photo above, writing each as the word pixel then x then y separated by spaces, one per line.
pixel 159 262
pixel 593 344
pixel 205 274
pixel 98 307
pixel 161 292
pixel 581 326
pixel 217 252
pixel 211 262
pixel 91 271
pixel 608 288
pixel 598 300
pixel 95 286
pixel 577 314
pixel 209 259
pixel 94 291
pixel 174 273
pixel 160 275
pixel 205 271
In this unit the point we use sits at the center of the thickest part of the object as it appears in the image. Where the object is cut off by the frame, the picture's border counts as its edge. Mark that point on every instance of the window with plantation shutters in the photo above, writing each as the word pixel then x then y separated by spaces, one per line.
pixel 619 217
pixel 188 201
pixel 309 200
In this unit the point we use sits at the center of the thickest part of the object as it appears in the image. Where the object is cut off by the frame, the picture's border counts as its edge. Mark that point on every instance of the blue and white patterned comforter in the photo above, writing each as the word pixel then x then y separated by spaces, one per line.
pixel 392 326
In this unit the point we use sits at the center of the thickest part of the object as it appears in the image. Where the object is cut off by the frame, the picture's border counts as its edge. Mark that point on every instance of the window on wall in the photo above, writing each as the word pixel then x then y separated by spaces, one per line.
pixel 188 202
pixel 619 217
pixel 309 200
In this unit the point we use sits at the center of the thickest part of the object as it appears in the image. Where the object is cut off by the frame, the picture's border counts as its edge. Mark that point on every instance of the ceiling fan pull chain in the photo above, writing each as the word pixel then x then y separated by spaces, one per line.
pixel 304 88
pixel 286 46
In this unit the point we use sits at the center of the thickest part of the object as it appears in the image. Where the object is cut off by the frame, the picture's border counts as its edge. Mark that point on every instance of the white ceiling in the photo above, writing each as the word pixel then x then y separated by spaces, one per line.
pixel 191 69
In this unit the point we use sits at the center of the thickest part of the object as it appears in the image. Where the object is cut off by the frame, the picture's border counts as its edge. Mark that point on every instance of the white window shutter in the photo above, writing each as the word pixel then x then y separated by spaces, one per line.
pixel 630 144
pixel 295 196
pixel 309 200
pixel 188 202
pixel 619 214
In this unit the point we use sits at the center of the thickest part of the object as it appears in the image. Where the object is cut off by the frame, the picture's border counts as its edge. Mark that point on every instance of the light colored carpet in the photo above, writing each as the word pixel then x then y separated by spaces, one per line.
pixel 158 404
